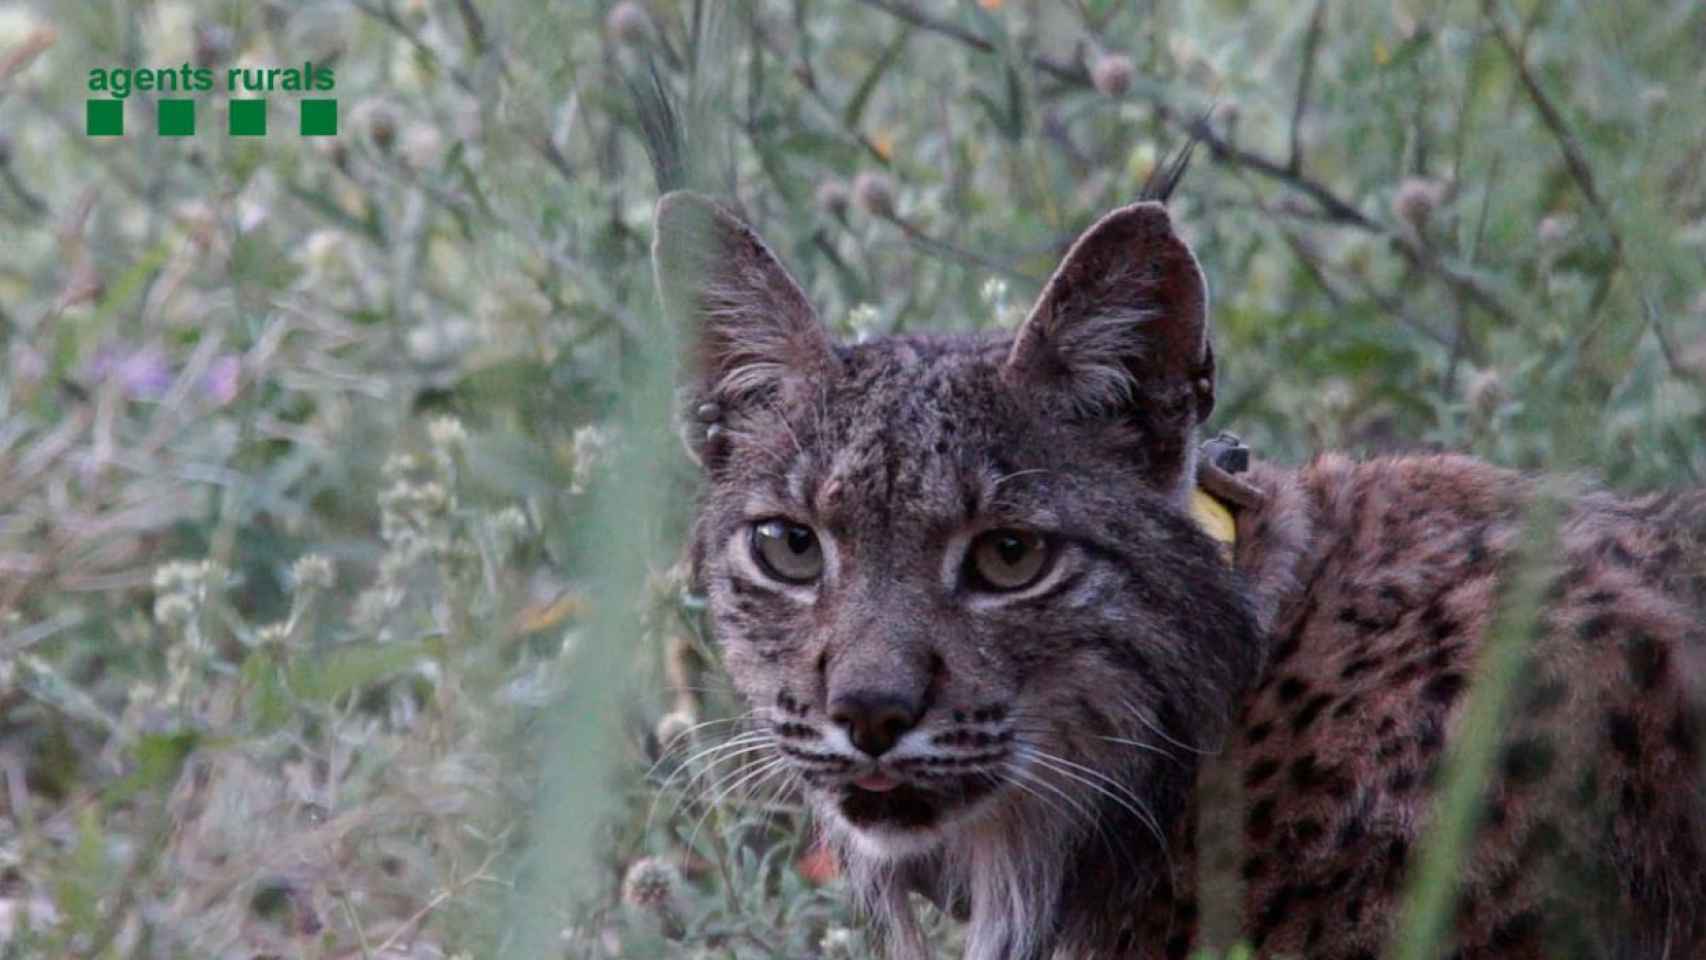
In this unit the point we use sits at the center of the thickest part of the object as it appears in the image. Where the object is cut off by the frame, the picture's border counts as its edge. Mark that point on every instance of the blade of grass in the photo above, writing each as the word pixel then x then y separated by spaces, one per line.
pixel 1430 898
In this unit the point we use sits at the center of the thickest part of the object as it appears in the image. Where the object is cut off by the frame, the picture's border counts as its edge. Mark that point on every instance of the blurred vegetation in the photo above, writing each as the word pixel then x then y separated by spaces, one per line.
pixel 335 539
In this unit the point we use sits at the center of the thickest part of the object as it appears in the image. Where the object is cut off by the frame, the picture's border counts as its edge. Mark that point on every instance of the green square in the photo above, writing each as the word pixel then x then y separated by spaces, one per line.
pixel 175 118
pixel 319 118
pixel 249 118
pixel 104 118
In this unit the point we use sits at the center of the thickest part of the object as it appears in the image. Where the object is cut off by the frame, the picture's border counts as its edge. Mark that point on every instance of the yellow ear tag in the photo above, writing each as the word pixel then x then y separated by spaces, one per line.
pixel 1215 520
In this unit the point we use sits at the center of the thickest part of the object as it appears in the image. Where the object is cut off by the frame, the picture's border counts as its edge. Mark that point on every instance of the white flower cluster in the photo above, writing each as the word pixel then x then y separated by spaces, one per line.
pixel 312 571
pixel 180 592
pixel 862 322
pixel 593 450
pixel 995 294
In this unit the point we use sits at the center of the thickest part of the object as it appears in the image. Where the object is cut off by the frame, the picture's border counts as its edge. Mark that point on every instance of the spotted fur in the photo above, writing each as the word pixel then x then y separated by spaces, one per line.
pixel 1069 743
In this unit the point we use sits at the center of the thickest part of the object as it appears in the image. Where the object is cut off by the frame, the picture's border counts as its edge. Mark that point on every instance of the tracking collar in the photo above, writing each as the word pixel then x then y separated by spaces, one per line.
pixel 1219 492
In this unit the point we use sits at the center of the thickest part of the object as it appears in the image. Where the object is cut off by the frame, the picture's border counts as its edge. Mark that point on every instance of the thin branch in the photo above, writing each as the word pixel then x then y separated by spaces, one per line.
pixel 1336 208
pixel 1460 331
pixel 1554 120
pixel 807 79
pixel 384 14
pixel 943 248
pixel 1300 103
pixel 32 203
pixel 918 18
pixel 1072 73
pixel 1463 284
pixel 1582 173
pixel 473 24
pixel 453 889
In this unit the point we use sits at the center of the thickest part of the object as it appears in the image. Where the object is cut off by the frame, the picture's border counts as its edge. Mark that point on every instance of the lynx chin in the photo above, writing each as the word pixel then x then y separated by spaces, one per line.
pixel 962 582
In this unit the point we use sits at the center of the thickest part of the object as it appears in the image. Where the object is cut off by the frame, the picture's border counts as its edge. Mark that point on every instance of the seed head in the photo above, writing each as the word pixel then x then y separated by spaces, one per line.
pixel 213 44
pixel 629 23
pixel 1554 229
pixel 1484 392
pixel 509 525
pixel 382 127
pixel 272 635
pixel 651 884
pixel 832 198
pixel 446 433
pixel 312 571
pixel 399 465
pixel 422 145
pixel 176 576
pixel 1112 74
pixel 1416 199
pixel 592 449
pixel 874 193
pixel 173 609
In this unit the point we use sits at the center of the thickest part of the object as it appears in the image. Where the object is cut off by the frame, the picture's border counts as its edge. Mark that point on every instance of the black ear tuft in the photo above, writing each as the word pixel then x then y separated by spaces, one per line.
pixel 1164 179
pixel 660 127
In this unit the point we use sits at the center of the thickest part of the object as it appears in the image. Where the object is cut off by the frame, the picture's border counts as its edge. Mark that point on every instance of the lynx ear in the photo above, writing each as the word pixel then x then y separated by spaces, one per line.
pixel 750 327
pixel 1121 330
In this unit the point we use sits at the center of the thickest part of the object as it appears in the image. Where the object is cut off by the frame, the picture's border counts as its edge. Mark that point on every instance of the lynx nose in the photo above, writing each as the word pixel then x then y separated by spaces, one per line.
pixel 873 720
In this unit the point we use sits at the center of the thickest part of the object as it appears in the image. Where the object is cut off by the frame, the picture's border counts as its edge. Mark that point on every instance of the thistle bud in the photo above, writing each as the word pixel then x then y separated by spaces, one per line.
pixel 651 882
pixel 1484 392
pixel 1112 74
pixel 832 198
pixel 1554 229
pixel 213 44
pixel 382 127
pixel 651 886
pixel 422 146
pixel 874 193
pixel 1416 199
pixel 629 23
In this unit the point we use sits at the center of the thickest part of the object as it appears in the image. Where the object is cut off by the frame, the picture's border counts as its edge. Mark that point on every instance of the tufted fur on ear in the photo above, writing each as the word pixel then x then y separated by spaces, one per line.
pixel 751 332
pixel 1121 332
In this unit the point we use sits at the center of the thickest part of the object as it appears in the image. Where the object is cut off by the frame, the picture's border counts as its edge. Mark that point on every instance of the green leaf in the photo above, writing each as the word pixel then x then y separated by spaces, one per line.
pixel 855 111
pixel 78 887
pixel 266 699
pixel 159 759
pixel 325 679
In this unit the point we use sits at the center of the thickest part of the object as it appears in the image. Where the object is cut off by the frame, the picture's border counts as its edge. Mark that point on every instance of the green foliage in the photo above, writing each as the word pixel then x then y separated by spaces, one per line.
pixel 417 354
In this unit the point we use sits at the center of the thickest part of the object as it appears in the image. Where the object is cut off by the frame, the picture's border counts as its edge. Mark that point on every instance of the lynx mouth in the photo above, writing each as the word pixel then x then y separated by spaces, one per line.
pixel 906 806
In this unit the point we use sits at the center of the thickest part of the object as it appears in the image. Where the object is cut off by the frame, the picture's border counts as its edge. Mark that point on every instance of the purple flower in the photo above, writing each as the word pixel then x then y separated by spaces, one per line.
pixel 144 373
pixel 221 380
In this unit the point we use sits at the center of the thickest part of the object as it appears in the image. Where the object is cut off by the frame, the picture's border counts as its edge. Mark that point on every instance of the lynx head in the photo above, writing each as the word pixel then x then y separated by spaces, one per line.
pixel 955 576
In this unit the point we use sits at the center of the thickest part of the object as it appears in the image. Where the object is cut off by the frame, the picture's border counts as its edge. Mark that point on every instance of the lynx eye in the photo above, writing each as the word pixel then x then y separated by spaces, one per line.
pixel 786 550
pixel 1003 560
